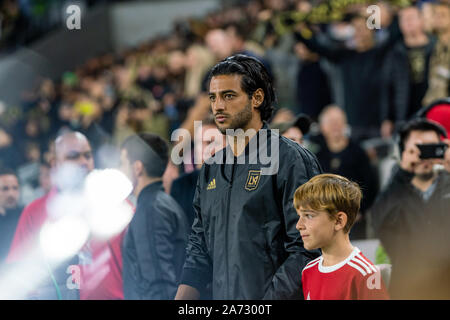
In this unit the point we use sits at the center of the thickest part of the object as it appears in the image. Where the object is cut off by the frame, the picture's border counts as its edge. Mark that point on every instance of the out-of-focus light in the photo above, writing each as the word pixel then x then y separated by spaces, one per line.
pixel 107 221
pixel 66 204
pixel 69 177
pixel 63 238
pixel 106 187
pixel 106 191
pixel 107 156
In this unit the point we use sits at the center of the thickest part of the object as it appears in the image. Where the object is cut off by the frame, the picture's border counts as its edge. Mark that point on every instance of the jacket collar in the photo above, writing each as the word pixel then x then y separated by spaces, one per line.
pixel 148 190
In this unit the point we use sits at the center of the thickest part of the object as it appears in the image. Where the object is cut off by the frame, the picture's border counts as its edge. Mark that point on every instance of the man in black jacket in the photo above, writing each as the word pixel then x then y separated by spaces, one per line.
pixel 155 243
pixel 358 90
pixel 244 238
pixel 405 71
pixel 411 218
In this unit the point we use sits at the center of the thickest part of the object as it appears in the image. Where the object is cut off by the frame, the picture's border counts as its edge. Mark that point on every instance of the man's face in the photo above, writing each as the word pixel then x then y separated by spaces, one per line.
pixel 294 134
pixel 76 150
pixel 9 191
pixel 230 105
pixel 410 21
pixel 317 228
pixel 441 18
pixel 219 43
pixel 362 34
pixel 424 168
pixel 333 123
pixel 126 166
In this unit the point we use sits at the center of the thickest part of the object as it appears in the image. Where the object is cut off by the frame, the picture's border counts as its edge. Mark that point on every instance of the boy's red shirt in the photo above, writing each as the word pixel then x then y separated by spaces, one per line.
pixel 355 278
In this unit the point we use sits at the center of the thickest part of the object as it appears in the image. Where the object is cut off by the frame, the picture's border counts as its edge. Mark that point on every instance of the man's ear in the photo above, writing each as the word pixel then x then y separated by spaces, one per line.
pixel 258 98
pixel 341 221
pixel 138 168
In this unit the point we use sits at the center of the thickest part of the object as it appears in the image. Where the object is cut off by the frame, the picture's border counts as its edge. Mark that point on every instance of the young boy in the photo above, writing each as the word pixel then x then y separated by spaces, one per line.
pixel 327 206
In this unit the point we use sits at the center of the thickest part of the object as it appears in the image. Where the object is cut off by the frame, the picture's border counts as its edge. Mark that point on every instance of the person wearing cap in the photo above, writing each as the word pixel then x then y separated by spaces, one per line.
pixel 295 129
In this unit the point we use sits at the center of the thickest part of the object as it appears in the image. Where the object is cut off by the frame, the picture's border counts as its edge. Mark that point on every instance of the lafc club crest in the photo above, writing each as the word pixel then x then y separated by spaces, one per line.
pixel 252 180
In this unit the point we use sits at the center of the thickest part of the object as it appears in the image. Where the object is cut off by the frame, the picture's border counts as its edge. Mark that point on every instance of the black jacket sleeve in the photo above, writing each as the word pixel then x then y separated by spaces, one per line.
pixel 385 213
pixel 323 47
pixel 197 270
pixel 163 233
pixel 286 283
pixel 395 86
pixel 388 219
pixel 154 251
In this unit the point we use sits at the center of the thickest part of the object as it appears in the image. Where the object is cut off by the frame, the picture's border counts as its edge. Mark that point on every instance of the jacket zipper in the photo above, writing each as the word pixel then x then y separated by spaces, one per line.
pixel 226 233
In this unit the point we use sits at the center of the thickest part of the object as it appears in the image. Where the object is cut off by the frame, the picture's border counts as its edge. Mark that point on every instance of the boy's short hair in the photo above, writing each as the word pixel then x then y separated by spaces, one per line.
pixel 331 193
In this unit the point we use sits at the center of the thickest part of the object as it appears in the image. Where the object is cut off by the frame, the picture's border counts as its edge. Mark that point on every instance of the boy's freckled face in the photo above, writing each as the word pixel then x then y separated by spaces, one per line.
pixel 315 227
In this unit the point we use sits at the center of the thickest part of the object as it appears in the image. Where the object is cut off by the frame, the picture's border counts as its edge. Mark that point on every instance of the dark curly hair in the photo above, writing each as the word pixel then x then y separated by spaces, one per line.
pixel 254 76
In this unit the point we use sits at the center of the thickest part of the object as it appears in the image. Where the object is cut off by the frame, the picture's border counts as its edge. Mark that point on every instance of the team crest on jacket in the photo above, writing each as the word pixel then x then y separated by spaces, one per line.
pixel 252 180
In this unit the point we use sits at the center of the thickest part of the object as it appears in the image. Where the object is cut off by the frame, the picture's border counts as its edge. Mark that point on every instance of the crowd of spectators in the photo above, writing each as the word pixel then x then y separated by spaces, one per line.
pixel 379 78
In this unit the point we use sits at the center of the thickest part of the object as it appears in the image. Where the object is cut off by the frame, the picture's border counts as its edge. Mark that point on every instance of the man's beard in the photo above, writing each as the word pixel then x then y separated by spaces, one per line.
pixel 425 176
pixel 239 120
pixel 11 204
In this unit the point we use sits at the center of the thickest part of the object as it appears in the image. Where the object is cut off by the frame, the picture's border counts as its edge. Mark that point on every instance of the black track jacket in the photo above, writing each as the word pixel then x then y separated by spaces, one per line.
pixel 243 238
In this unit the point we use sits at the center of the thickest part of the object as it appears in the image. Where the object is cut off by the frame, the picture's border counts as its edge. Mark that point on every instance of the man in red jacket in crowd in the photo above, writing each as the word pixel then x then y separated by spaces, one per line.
pixel 97 277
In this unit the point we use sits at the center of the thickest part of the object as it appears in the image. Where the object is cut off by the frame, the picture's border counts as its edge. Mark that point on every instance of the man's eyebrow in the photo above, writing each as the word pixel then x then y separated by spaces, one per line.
pixel 222 92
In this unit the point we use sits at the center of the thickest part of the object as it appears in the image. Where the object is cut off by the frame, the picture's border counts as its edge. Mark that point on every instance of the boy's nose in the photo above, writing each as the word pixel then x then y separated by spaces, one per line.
pixel 300 225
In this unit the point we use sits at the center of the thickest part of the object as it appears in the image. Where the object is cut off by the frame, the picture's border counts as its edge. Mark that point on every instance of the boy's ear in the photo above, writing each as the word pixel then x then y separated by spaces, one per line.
pixel 341 221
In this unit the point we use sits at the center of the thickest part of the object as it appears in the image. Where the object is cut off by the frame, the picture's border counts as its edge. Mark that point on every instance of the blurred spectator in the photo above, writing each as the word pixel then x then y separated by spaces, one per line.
pixel 155 242
pixel 97 255
pixel 36 187
pixel 338 154
pixel 9 209
pixel 360 74
pixel 406 70
pixel 207 141
pixel 313 92
pixel 9 153
pixel 447 156
pixel 283 115
pixel 295 129
pixel 71 148
pixel 198 61
pixel 439 76
pixel 411 218
pixel 219 43
pixel 238 34
pixel 13 25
